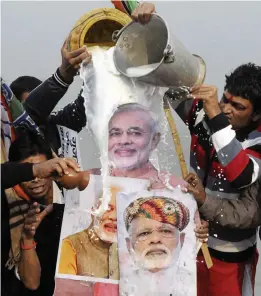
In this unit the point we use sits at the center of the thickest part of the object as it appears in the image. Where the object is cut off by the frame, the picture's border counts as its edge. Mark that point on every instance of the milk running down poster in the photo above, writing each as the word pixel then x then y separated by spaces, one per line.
pixel 96 252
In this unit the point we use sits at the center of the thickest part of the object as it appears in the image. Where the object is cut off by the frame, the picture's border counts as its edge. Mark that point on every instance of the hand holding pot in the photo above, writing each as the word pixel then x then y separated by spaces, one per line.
pixel 65 170
pixel 71 61
pixel 209 95
pixel 53 167
pixel 142 13
pixel 75 179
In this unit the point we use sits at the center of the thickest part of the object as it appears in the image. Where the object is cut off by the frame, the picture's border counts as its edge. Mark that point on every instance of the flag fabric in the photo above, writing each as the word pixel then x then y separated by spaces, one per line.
pixel 126 6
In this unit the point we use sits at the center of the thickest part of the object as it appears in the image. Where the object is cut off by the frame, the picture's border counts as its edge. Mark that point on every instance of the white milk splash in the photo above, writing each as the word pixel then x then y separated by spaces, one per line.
pixel 104 90
pixel 141 70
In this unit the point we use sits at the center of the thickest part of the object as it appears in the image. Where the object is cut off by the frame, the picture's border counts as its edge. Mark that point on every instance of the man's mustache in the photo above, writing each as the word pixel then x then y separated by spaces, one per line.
pixel 125 148
pixel 110 224
pixel 156 249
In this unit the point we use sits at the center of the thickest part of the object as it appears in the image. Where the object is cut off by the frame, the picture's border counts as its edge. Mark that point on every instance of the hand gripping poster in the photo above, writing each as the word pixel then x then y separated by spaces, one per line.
pixel 133 223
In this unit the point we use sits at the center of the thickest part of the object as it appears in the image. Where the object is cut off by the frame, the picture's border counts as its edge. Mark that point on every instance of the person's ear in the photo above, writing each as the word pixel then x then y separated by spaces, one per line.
pixel 155 141
pixel 182 238
pixel 128 243
pixel 256 116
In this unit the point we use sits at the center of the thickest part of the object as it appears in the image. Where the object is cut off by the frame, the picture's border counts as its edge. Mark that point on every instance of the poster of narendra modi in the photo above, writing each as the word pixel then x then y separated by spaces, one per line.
pixel 88 252
pixel 132 138
pixel 156 243
pixel 88 258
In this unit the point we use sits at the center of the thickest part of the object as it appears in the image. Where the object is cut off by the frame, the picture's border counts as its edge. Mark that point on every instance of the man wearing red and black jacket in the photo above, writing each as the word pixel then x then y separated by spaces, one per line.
pixel 226 155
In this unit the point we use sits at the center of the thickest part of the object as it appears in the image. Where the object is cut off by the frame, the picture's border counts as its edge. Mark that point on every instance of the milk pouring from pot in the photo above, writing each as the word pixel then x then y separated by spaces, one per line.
pixel 156 58
pixel 104 90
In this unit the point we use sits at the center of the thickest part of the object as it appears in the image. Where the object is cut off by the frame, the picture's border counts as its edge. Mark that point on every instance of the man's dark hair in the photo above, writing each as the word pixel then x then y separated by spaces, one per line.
pixel 28 144
pixel 24 84
pixel 245 82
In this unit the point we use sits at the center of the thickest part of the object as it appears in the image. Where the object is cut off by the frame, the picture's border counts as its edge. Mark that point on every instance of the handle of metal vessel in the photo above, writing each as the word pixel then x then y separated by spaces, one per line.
pixel 169 56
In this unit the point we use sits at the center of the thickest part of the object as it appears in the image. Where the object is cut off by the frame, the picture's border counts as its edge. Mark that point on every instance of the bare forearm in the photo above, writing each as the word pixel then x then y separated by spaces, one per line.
pixel 29 267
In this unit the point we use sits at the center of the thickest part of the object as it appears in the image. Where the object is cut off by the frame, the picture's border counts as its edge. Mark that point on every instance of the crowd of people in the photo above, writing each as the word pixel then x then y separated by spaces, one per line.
pixel 225 178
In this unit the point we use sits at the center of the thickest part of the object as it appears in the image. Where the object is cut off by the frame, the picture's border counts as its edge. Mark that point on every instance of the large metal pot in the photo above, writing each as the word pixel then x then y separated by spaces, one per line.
pixel 150 54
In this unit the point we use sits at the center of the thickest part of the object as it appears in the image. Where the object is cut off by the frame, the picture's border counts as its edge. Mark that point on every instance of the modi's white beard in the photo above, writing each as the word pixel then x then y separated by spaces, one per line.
pixel 156 262
pixel 111 238
pixel 124 167
pixel 141 160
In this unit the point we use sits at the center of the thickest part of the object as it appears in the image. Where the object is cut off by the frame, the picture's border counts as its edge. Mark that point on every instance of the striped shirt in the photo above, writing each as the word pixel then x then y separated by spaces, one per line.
pixel 226 161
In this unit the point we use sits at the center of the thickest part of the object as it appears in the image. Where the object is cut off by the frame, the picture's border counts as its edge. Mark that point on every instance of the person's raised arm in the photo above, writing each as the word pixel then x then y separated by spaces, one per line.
pixel 241 166
pixel 142 12
pixel 138 11
pixel 42 100
pixel 72 116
